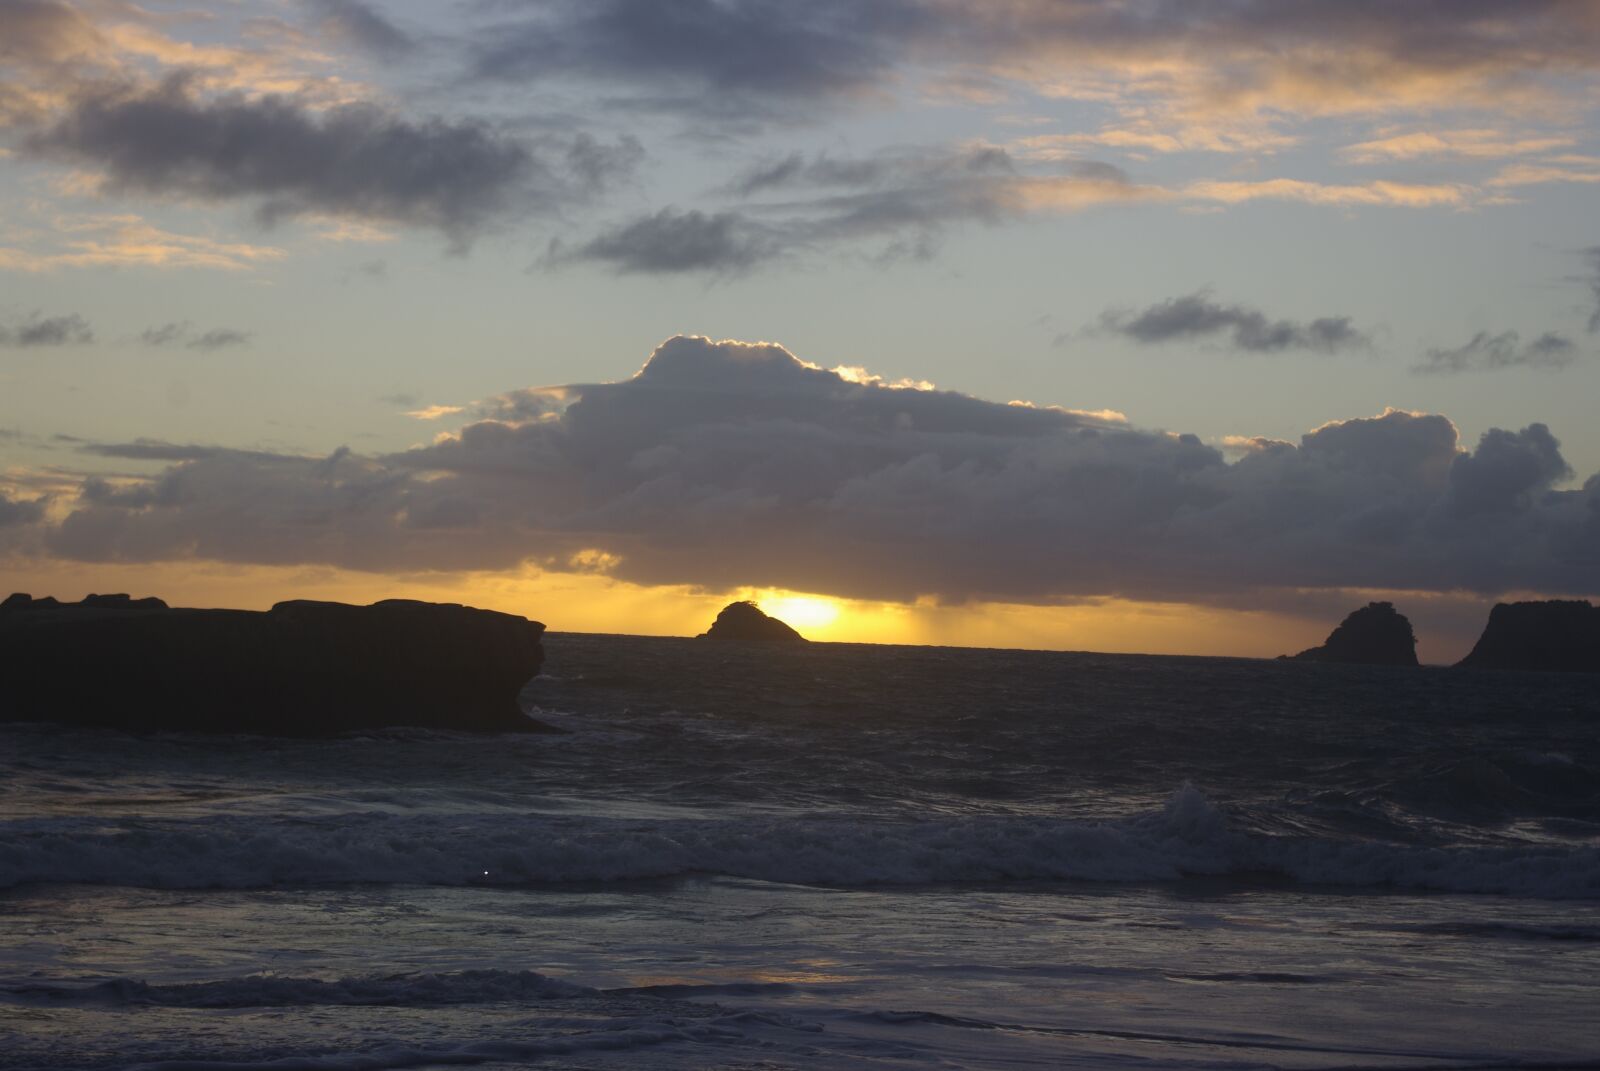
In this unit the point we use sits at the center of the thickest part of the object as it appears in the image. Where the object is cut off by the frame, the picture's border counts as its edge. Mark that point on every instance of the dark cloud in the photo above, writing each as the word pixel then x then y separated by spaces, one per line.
pixel 157 450
pixel 165 335
pixel 68 330
pixel 175 334
pixel 919 191
pixel 903 198
pixel 670 242
pixel 719 57
pixel 353 160
pixel 1197 316
pixel 353 21
pixel 1485 352
pixel 1508 472
pixel 797 171
pixel 20 511
pixel 775 58
pixel 727 464
pixel 219 338
pixel 598 165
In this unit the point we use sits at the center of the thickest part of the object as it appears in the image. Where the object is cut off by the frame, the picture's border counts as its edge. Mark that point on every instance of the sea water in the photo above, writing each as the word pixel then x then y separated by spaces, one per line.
pixel 828 856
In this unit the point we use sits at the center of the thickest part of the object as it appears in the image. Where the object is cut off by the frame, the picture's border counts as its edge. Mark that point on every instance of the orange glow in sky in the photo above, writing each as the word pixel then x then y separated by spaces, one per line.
pixel 580 602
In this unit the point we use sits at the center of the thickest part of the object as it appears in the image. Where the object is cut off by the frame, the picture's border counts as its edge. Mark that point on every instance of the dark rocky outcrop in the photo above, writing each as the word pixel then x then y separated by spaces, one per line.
pixel 299 669
pixel 1559 635
pixel 745 621
pixel 1375 635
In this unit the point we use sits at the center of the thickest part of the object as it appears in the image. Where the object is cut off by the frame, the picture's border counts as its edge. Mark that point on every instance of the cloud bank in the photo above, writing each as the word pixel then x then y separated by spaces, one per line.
pixel 725 464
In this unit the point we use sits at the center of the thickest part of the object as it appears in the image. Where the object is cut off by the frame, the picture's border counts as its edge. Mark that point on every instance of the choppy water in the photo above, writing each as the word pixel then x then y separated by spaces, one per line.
pixel 831 856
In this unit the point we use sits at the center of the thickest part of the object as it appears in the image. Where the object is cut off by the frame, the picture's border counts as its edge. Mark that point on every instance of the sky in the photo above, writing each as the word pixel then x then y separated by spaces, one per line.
pixel 1122 325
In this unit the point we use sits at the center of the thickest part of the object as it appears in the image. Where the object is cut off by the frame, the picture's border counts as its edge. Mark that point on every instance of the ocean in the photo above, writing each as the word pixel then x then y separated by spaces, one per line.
pixel 828 856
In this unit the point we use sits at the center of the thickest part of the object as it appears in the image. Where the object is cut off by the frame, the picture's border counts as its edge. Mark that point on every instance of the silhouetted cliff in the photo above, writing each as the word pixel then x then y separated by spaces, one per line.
pixel 299 669
pixel 1377 635
pixel 745 621
pixel 1562 636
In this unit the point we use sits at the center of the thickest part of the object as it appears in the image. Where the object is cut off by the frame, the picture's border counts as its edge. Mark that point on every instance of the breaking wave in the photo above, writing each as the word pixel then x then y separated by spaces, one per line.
pixel 1189 836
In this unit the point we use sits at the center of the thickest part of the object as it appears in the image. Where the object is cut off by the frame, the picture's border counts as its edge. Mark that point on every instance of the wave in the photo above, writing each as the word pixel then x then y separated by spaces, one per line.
pixel 1189 836
pixel 275 991
pixel 386 1057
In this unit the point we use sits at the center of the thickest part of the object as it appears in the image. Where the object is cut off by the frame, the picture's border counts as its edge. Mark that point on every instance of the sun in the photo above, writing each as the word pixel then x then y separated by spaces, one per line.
pixel 801 611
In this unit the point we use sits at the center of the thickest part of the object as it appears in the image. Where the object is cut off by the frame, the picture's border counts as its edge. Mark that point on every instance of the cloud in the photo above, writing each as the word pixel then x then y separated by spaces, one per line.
pixel 707 56
pixel 159 450
pixel 218 338
pixel 1176 65
pixel 353 21
pixel 1197 316
pixel 1485 352
pixel 1592 255
pixel 111 241
pixel 725 464
pixel 1381 193
pixel 52 53
pixel 1579 170
pixel 1148 136
pixel 434 412
pixel 68 330
pixel 173 334
pixel 351 160
pixel 1469 144
pixel 905 198
pixel 1507 472
pixel 165 335
pixel 670 241
pixel 17 512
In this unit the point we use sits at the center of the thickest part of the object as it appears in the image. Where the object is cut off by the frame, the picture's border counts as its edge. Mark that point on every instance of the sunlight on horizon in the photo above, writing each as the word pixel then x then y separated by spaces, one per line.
pixel 800 611
pixel 590 603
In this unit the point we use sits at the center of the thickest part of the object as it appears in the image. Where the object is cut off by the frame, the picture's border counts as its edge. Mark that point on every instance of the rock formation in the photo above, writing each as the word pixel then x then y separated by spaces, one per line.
pixel 299 669
pixel 1561 636
pixel 745 621
pixel 1375 635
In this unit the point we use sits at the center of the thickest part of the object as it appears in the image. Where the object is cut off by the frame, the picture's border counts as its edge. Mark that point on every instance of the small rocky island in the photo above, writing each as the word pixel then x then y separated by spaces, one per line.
pixel 1555 636
pixel 745 621
pixel 299 669
pixel 1375 635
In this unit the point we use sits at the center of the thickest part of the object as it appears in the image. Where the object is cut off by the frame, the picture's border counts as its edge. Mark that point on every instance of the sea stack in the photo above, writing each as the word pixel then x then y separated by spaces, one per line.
pixel 1375 635
pixel 299 669
pixel 1560 636
pixel 745 621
